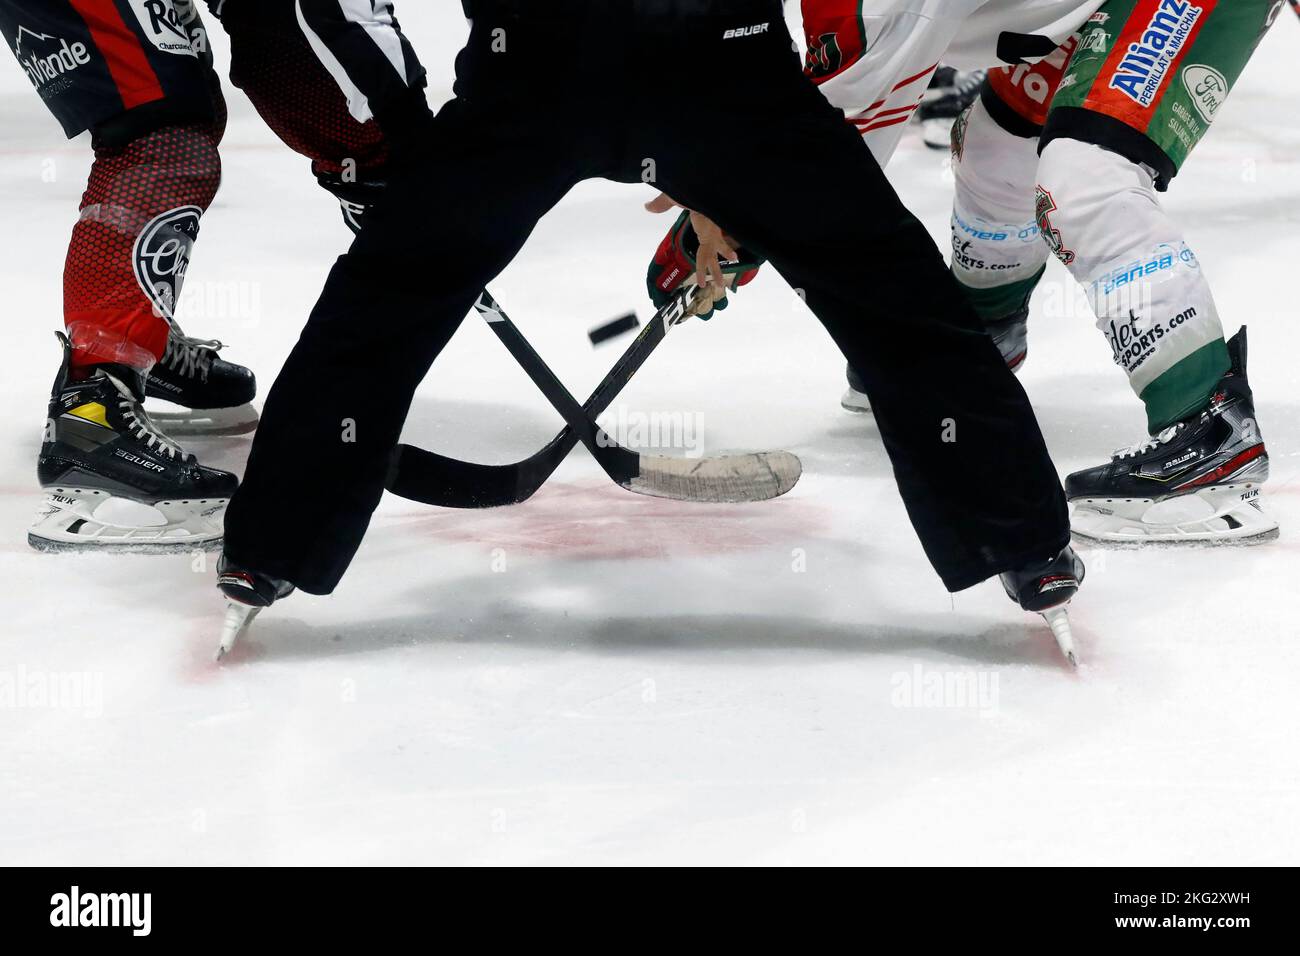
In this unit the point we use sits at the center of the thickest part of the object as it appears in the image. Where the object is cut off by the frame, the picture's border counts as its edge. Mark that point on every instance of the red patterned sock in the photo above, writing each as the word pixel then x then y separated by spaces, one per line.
pixel 131 246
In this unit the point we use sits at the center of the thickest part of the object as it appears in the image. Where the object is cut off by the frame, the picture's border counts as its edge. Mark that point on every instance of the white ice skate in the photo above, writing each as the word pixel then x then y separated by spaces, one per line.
pixel 76 519
pixel 1222 514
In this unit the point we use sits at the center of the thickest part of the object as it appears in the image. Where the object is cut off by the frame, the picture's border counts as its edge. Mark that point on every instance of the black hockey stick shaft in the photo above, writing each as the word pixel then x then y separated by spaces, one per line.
pixel 622 465
pixel 430 478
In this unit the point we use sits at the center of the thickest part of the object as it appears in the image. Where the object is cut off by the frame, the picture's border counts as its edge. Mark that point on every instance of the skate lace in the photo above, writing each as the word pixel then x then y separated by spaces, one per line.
pixel 140 425
pixel 190 356
pixel 1141 448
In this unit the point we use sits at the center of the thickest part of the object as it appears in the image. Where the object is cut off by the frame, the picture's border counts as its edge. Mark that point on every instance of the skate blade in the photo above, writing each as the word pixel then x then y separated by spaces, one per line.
pixel 1227 515
pixel 77 520
pixel 855 402
pixel 206 422
pixel 161 549
pixel 937 133
pixel 1058 619
pixel 239 617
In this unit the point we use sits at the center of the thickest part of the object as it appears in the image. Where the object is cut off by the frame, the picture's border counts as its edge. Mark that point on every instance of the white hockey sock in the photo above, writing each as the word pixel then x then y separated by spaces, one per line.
pixel 996 252
pixel 1100 215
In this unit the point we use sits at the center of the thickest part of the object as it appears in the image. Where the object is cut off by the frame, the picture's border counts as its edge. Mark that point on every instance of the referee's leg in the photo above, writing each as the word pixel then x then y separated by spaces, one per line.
pixel 453 218
pixel 361 44
pixel 793 181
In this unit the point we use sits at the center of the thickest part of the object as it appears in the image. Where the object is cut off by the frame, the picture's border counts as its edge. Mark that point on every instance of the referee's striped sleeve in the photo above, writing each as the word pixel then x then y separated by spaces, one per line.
pixel 361 44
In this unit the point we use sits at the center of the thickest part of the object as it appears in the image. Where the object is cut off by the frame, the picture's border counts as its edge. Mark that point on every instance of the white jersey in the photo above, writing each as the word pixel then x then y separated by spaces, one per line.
pixel 893 46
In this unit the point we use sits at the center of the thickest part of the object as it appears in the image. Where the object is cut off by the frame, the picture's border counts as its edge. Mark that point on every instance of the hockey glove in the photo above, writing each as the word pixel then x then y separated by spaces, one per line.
pixel 356 199
pixel 676 262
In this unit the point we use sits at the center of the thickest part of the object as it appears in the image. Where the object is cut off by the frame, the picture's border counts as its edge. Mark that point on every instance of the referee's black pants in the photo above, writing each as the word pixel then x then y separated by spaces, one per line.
pixel 725 123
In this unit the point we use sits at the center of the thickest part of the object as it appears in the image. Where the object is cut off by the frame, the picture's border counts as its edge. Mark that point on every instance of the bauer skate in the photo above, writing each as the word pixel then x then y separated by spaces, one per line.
pixel 1198 481
pixel 248 592
pixel 1047 589
pixel 113 482
pixel 215 395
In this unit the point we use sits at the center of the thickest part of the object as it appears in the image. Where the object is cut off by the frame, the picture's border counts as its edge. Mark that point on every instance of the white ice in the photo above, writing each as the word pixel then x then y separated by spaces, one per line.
pixel 595 677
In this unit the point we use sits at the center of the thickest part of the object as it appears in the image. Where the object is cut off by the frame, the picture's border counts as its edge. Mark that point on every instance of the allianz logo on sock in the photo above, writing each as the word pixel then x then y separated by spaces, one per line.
pixel 746 31
pixel 100 910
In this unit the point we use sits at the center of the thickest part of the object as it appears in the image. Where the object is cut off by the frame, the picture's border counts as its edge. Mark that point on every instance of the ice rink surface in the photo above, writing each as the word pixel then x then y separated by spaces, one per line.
pixel 596 677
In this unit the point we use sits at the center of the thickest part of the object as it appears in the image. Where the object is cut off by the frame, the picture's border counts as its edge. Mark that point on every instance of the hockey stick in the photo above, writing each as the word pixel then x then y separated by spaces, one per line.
pixel 434 479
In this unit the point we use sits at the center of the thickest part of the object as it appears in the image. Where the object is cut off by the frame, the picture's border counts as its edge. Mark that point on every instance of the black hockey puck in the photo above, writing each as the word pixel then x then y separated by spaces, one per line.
pixel 614 328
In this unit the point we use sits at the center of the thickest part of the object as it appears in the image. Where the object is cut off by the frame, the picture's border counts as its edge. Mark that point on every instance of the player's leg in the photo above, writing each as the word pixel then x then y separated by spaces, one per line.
pixel 880 69
pixel 877 67
pixel 796 184
pixel 136 79
pixel 364 49
pixel 997 255
pixel 1143 88
pixel 276 64
pixel 458 208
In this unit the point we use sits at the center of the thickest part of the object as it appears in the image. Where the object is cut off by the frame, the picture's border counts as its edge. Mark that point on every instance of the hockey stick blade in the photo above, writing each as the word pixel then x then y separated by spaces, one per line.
pixel 728 479
pixel 433 479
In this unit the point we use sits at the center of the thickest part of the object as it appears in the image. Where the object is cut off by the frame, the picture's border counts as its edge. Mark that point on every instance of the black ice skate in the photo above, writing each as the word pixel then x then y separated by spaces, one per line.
pixel 248 592
pixel 112 480
pixel 950 93
pixel 215 394
pixel 1197 481
pixel 855 399
pixel 1047 589
pixel 1011 336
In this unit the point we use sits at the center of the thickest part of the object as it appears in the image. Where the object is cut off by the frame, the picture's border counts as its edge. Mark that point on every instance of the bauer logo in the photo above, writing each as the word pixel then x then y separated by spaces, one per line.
pixel 746 31
pixel 162 256
pixel 1145 64
pixel 163 22
pixel 1209 88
